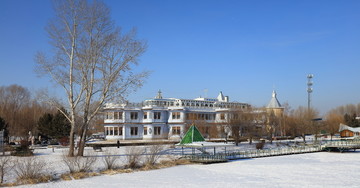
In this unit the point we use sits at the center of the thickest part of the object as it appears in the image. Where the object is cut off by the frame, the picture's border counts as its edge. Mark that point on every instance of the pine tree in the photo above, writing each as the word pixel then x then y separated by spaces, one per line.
pixel 4 127
pixel 54 126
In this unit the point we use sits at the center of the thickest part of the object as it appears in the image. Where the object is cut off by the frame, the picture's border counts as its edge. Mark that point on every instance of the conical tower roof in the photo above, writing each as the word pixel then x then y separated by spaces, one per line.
pixel 274 103
pixel 192 135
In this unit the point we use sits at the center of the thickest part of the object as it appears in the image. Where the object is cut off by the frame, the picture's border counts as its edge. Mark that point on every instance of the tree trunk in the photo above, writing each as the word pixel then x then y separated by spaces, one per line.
pixel 82 141
pixel 72 133
pixel 71 140
pixel 303 136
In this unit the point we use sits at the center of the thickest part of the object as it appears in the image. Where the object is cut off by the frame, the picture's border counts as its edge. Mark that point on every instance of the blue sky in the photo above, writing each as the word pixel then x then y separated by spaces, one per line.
pixel 243 48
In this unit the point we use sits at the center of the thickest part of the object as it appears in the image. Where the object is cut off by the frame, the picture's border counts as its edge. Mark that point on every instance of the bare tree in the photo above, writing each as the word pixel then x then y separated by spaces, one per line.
pixel 302 121
pixel 93 61
pixel 20 111
pixel 333 121
pixel 241 123
pixel 273 123
pixel 13 99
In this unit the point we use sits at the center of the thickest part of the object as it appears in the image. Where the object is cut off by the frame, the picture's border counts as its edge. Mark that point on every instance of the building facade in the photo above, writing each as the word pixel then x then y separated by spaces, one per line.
pixel 164 118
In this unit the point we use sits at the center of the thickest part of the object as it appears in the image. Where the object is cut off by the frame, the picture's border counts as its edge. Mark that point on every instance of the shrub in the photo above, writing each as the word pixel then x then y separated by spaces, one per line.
pixel 5 166
pixel 153 155
pixel 110 160
pixel 23 149
pixel 260 145
pixel 78 163
pixel 30 170
pixel 133 157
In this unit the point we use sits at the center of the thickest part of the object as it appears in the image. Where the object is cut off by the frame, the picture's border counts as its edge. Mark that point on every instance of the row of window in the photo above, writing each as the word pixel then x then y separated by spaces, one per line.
pixel 157 115
pixel 134 131
pixel 200 116
pixel 114 115
pixel 133 115
pixel 195 104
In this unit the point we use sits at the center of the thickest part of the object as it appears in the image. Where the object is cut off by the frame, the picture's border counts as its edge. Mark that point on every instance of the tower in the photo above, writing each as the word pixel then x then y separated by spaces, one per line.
pixel 274 105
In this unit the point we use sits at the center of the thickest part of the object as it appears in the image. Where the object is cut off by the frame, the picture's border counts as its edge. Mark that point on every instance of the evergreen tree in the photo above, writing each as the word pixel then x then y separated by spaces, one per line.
pixel 4 126
pixel 45 125
pixel 351 120
pixel 54 126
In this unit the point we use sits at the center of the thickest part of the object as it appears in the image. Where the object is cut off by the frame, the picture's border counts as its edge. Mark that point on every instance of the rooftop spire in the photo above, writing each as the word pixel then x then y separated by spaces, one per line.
pixel 221 97
pixel 274 103
pixel 273 94
pixel 159 95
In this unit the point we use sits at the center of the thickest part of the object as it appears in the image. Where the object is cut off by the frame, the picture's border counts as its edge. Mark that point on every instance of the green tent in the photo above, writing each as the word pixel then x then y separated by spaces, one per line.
pixel 192 135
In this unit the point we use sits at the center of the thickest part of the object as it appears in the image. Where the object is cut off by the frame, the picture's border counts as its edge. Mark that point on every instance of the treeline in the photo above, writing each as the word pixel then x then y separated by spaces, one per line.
pixel 22 116
pixel 262 123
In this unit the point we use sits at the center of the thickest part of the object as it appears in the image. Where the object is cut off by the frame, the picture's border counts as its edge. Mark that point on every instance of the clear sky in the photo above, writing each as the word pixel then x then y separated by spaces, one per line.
pixel 243 48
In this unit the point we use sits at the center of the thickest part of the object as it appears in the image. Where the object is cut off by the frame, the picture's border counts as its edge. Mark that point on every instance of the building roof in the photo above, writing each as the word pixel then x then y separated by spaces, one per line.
pixel 194 139
pixel 192 135
pixel 274 102
pixel 221 96
pixel 346 127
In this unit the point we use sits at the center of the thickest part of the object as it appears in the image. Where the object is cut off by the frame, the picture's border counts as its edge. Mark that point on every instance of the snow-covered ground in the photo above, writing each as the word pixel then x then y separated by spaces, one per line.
pixel 303 170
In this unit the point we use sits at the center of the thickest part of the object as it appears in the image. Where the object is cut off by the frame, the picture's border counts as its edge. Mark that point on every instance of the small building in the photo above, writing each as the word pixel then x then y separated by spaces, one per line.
pixel 274 106
pixel 347 131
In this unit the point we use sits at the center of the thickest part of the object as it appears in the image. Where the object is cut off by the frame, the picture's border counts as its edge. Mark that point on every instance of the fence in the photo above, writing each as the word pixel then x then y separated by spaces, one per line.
pixel 244 154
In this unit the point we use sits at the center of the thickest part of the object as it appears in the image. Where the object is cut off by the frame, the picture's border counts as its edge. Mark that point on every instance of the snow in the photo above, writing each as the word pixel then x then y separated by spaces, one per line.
pixel 322 169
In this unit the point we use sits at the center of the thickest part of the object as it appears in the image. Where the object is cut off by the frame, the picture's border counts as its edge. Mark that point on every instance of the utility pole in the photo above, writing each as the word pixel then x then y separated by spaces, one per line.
pixel 309 89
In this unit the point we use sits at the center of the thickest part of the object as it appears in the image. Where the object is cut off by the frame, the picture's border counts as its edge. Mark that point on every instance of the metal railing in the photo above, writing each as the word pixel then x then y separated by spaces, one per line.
pixel 257 153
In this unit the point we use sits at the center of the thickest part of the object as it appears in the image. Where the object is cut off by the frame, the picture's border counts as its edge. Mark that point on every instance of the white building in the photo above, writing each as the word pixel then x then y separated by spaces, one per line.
pixel 164 118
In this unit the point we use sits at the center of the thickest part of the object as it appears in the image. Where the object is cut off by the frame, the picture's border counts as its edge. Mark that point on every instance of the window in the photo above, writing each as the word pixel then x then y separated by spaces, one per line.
pixel 145 115
pixel 116 131
pixel 133 131
pixel 111 131
pixel 145 131
pixel 117 115
pixel 222 116
pixel 235 116
pixel 107 130
pixel 176 115
pixel 176 130
pixel 109 115
pixel 157 130
pixel 120 130
pixel 157 115
pixel 133 115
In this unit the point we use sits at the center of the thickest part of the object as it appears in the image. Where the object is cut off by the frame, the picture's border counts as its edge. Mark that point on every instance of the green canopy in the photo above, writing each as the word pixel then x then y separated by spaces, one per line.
pixel 192 135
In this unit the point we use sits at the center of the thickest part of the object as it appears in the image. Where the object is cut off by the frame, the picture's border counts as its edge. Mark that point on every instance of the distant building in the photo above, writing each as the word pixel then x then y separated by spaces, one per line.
pixel 164 118
pixel 346 131
pixel 275 116
pixel 275 106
